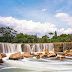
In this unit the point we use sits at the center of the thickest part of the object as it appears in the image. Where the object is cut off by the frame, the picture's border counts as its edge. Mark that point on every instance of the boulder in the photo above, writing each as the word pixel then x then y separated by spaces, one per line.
pixel 33 54
pixel 38 56
pixel 43 56
pixel 65 52
pixel 52 55
pixel 3 55
pixel 71 50
pixel 27 54
pixel 60 57
pixel 69 54
pixel 46 51
pixel 16 56
pixel 1 61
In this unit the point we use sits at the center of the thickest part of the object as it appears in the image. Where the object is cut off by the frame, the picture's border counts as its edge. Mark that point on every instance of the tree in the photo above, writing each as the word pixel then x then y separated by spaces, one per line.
pixel 50 34
pixel 55 35
pixel 45 39
pixel 70 36
pixel 7 34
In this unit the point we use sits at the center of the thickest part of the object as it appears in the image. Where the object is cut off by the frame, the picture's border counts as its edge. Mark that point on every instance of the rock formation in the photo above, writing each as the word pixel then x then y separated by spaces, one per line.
pixel 3 55
pixel 16 56
pixel 1 61
pixel 64 53
pixel 27 54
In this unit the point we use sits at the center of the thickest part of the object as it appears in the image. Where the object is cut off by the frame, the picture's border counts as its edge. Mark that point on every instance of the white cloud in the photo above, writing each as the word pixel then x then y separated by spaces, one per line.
pixel 64 17
pixel 63 31
pixel 43 10
pixel 31 27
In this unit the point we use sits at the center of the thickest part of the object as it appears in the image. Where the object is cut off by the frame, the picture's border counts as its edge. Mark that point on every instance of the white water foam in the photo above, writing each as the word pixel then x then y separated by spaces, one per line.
pixel 38 64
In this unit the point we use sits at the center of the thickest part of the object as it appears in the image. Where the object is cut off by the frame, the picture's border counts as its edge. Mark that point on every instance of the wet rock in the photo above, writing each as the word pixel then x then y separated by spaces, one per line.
pixel 52 55
pixel 71 50
pixel 65 52
pixel 69 54
pixel 32 53
pixel 38 56
pixel 3 55
pixel 46 51
pixel 1 61
pixel 16 56
pixel 44 56
pixel 60 57
pixel 27 54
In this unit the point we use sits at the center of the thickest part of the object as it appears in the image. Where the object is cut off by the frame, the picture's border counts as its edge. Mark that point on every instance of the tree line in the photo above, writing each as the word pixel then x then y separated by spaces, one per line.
pixel 8 34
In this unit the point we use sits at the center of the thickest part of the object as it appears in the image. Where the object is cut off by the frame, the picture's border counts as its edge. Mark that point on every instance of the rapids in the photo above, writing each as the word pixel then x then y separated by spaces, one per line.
pixel 36 65
pixel 32 64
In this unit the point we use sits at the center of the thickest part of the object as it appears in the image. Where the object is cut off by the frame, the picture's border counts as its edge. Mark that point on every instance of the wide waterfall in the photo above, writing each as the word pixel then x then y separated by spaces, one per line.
pixel 37 47
pixel 34 47
pixel 10 48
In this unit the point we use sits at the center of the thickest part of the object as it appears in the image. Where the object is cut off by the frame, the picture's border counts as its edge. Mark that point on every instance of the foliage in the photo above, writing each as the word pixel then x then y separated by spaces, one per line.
pixel 8 34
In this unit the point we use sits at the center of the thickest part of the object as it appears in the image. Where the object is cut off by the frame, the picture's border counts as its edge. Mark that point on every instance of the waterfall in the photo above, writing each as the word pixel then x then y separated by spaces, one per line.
pixel 10 48
pixel 67 46
pixel 51 46
pixel 34 47
pixel 26 48
pixel 37 47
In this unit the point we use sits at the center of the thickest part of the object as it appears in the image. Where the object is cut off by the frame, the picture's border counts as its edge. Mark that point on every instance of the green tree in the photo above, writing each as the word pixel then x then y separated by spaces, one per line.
pixel 45 39
pixel 7 33
pixel 55 35
pixel 50 34
pixel 70 36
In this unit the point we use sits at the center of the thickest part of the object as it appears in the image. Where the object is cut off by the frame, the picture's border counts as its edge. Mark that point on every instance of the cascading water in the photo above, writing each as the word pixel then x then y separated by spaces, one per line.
pixel 37 47
pixel 10 48
pixel 67 46
pixel 26 48
pixel 51 46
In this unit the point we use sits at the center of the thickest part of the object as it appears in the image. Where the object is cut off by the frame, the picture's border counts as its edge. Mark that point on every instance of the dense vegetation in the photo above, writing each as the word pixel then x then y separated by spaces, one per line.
pixel 8 34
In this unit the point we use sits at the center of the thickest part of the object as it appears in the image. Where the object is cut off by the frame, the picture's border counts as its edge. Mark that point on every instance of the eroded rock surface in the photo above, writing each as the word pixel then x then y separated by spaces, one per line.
pixel 16 56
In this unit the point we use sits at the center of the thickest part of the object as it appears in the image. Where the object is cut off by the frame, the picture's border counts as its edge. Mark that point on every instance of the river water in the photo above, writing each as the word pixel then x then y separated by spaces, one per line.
pixel 32 64
pixel 36 65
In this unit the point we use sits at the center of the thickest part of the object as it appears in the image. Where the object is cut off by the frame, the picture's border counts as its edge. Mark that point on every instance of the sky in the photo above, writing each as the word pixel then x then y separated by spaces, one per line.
pixel 37 16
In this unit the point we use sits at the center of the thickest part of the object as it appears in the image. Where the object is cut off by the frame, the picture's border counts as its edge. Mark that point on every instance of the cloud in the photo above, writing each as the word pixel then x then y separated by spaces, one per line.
pixel 31 27
pixel 43 10
pixel 64 17
pixel 61 9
